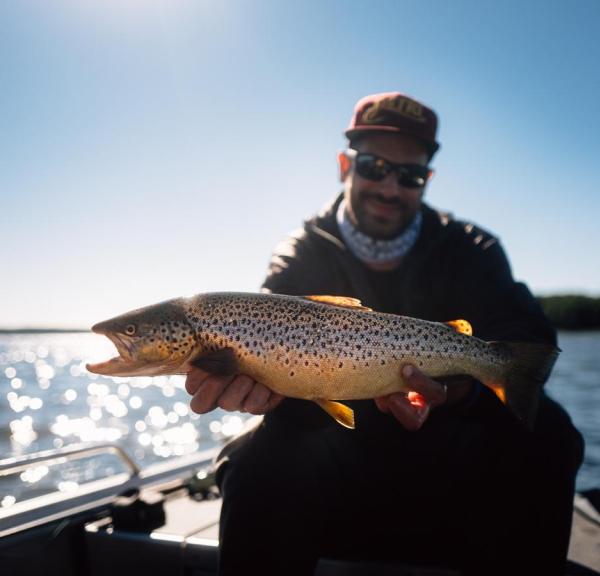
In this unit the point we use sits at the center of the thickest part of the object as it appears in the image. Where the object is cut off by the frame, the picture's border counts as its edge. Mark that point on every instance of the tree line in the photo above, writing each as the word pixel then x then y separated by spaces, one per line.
pixel 572 312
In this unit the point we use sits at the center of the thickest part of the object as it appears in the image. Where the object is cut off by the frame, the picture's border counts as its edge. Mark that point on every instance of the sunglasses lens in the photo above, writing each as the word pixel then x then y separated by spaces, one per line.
pixel 413 177
pixel 372 167
pixel 376 169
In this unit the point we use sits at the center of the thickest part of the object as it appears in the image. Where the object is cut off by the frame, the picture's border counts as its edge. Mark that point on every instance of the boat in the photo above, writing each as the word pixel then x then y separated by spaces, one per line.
pixel 165 519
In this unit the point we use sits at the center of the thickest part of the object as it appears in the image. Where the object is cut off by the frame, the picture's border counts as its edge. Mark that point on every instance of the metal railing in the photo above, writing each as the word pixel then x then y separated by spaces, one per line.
pixel 19 464
pixel 92 495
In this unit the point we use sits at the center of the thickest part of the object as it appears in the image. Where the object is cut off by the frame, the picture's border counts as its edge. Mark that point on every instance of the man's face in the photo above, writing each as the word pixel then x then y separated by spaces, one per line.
pixel 383 209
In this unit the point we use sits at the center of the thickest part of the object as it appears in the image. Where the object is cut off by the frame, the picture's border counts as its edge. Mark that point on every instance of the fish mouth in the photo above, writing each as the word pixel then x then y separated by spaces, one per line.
pixel 125 364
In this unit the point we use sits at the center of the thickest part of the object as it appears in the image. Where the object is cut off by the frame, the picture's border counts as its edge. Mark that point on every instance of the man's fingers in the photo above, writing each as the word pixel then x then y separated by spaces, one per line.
pixel 274 401
pixel 410 413
pixel 258 399
pixel 383 403
pixel 194 379
pixel 206 396
pixel 232 393
pixel 411 416
pixel 432 392
pixel 234 396
pixel 412 409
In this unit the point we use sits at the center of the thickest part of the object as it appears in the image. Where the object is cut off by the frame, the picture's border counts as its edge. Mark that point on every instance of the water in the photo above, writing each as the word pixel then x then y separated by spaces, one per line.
pixel 48 400
pixel 575 383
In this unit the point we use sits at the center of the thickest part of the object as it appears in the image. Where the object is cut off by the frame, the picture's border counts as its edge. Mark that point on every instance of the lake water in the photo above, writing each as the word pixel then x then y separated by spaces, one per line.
pixel 48 400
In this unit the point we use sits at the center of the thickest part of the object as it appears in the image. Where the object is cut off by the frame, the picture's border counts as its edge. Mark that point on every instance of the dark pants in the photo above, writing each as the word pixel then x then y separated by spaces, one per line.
pixel 474 491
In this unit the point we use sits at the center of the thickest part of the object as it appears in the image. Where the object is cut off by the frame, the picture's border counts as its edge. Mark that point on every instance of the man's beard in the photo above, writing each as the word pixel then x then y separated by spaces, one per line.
pixel 382 227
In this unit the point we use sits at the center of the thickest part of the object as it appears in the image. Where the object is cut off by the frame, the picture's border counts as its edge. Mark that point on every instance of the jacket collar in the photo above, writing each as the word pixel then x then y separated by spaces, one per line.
pixel 435 228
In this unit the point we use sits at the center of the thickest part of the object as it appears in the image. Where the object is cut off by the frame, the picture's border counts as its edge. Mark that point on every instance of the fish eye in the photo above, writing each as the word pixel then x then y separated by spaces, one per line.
pixel 130 329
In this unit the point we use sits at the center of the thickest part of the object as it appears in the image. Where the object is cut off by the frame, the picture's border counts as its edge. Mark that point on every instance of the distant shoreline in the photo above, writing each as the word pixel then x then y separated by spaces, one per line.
pixel 572 311
pixel 41 330
pixel 565 311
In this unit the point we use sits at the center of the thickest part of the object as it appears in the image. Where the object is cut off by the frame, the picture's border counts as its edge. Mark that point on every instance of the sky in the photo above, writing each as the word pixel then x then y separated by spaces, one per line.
pixel 157 148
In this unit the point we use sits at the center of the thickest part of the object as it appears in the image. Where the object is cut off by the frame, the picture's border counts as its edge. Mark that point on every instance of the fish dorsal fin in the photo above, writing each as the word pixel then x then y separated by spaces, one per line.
pixel 461 326
pixel 343 301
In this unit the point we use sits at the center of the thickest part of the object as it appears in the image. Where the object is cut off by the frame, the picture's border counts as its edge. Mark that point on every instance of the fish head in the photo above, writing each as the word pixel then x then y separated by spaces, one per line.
pixel 154 340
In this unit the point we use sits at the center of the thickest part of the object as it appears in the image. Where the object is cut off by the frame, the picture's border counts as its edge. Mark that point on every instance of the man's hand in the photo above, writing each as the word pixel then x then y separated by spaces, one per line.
pixel 232 393
pixel 412 409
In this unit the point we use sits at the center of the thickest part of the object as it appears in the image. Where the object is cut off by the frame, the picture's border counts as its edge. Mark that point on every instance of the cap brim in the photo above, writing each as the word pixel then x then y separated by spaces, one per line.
pixel 366 128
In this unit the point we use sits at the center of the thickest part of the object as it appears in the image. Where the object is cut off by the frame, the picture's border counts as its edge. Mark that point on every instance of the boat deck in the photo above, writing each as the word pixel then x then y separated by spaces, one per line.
pixel 166 520
pixel 192 527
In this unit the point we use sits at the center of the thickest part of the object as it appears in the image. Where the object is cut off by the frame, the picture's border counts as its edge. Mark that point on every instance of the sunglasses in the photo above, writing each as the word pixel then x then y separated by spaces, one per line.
pixel 376 169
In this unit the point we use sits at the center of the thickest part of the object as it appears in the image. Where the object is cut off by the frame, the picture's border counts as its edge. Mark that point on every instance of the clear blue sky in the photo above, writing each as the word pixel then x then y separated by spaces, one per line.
pixel 155 148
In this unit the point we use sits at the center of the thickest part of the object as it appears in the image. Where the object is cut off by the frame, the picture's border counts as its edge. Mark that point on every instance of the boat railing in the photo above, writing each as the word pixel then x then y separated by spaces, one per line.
pixel 15 465
pixel 95 494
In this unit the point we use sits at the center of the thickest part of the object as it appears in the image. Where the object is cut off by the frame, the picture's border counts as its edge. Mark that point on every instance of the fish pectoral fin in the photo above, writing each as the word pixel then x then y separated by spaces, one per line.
pixel 222 362
pixel 342 301
pixel 338 411
pixel 460 326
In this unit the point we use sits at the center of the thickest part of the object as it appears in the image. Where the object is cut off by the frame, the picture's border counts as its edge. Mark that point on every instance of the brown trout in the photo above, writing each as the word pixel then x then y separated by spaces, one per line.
pixel 319 348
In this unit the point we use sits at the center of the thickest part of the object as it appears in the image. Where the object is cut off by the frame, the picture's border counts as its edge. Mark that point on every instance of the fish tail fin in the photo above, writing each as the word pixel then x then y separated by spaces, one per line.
pixel 522 382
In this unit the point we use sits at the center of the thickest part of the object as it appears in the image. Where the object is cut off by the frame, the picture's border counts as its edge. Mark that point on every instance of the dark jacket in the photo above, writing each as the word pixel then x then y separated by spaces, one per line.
pixel 473 488
pixel 455 270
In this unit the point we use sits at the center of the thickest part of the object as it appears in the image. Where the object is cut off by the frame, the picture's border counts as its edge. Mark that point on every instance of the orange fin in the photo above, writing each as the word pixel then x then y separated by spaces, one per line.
pixel 343 301
pixel 338 411
pixel 461 326
pixel 500 391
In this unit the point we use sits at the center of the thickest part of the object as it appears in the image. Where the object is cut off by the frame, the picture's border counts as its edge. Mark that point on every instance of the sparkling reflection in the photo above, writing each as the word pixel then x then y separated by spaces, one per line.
pixel 7 501
pixel 50 401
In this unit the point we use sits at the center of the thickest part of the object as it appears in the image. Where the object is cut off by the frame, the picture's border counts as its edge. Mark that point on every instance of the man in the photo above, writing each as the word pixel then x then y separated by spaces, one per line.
pixel 445 475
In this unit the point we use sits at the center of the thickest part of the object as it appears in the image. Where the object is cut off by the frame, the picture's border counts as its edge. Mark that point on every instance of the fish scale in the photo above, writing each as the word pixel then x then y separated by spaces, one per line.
pixel 320 348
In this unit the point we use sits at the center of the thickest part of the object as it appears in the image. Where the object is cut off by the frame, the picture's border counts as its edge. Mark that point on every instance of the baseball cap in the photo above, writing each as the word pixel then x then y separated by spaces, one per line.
pixel 394 112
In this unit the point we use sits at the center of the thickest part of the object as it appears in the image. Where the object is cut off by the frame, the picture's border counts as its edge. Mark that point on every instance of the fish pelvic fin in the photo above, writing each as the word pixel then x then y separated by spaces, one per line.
pixel 460 326
pixel 527 372
pixel 338 411
pixel 342 301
